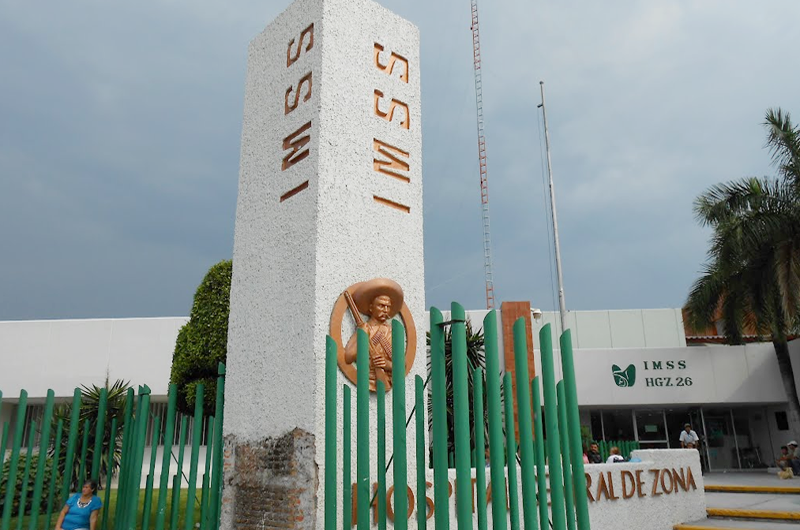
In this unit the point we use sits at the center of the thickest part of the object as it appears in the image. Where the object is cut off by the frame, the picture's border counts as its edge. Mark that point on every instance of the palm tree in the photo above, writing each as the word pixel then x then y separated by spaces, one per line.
pixel 90 403
pixel 751 280
pixel 476 358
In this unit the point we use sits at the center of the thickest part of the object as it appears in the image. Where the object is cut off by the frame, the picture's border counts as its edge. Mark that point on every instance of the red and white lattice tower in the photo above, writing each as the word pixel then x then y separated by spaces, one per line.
pixel 487 244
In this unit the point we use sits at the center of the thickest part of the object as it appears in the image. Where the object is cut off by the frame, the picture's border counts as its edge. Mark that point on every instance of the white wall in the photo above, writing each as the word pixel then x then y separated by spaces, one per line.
pixel 64 354
pixel 630 328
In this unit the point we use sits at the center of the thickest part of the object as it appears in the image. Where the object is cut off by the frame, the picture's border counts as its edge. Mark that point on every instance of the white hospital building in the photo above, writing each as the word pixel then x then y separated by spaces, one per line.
pixel 732 395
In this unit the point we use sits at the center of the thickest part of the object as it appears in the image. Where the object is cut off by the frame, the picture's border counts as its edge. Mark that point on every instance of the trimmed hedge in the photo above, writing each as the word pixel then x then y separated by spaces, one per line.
pixel 202 342
pixel 48 476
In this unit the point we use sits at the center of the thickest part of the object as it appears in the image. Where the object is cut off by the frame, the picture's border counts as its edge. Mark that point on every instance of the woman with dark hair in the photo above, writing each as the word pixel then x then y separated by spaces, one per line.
pixel 81 510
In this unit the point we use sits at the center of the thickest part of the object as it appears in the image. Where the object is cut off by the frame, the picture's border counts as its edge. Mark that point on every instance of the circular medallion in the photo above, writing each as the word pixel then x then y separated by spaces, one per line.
pixel 372 305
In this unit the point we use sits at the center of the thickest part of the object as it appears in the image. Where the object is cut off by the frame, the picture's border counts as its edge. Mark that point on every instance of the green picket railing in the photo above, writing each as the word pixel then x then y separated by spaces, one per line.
pixel 523 458
pixel 38 479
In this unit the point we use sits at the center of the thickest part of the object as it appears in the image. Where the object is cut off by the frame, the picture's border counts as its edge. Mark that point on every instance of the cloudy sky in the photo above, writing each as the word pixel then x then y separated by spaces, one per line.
pixel 120 127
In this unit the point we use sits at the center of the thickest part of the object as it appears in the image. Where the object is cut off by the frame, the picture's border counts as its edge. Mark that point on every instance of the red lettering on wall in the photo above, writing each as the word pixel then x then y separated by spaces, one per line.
pixel 295 142
pixel 690 479
pixel 640 483
pixel 394 58
pixel 308 32
pixel 679 480
pixel 602 487
pixel 389 114
pixel 628 476
pixel 305 80
pixel 655 492
pixel 394 164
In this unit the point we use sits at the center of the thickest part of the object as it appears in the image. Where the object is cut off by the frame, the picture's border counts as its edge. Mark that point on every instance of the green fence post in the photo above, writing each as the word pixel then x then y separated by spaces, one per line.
pixel 493 402
pixel 573 418
pixel 553 439
pixel 569 497
pixel 97 454
pixel 142 418
pixel 112 446
pixel 125 459
pixel 347 445
pixel 511 453
pixel 56 459
pixel 84 453
pixel 525 427
pixel 380 492
pixel 3 442
pixel 197 434
pixel 461 416
pixel 439 420
pixel 169 436
pixel 26 473
pixel 44 445
pixel 129 451
pixel 399 429
pixel 16 444
pixel 331 350
pixel 72 440
pixel 419 408
pixel 539 446
pixel 362 431
pixel 176 481
pixel 204 498
pixel 175 501
pixel 216 478
pixel 480 446
pixel 148 489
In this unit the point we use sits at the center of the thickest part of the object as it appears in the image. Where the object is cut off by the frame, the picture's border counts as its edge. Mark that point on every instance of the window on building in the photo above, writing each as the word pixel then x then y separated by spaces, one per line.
pixel 782 420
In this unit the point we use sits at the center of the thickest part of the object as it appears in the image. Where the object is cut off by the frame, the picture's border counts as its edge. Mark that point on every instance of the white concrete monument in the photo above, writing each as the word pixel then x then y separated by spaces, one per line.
pixel 330 194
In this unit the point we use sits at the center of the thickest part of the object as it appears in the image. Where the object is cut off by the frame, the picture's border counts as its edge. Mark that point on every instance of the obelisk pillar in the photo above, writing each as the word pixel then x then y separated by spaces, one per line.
pixel 330 194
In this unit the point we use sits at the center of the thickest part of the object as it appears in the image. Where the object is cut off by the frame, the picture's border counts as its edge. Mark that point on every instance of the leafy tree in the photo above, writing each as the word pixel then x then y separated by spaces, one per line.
pixel 752 276
pixel 202 342
pixel 476 358
pixel 90 401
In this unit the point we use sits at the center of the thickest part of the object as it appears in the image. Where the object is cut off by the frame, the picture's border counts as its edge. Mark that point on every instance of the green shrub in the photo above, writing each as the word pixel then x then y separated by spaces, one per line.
pixel 48 477
pixel 202 342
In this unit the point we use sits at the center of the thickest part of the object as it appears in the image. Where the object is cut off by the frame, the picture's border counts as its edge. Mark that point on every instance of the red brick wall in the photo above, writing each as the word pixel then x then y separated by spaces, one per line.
pixel 511 311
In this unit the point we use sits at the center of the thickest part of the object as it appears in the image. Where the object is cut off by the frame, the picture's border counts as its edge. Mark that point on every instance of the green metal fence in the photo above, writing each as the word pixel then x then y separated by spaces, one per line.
pixel 34 484
pixel 511 460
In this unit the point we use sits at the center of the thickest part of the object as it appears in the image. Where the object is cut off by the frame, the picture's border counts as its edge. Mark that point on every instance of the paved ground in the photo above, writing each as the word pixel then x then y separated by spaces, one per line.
pixel 749 479
pixel 754 501
pixel 747 525
pixel 751 501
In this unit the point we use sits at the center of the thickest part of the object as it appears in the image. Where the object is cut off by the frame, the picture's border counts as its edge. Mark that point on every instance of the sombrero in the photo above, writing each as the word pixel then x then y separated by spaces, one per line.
pixel 365 292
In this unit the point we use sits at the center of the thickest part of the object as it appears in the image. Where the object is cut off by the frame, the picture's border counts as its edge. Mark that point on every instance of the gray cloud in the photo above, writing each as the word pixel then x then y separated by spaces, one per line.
pixel 120 125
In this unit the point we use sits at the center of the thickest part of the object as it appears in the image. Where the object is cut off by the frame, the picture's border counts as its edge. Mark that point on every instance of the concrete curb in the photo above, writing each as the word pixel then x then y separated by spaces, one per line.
pixel 701 527
pixel 719 488
pixel 753 514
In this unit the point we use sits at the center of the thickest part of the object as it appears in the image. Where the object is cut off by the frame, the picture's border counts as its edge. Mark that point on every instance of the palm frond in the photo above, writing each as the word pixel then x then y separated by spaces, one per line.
pixel 783 142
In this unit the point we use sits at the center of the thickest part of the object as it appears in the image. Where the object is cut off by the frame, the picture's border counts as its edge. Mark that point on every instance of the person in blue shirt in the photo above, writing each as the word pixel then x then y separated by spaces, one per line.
pixel 81 510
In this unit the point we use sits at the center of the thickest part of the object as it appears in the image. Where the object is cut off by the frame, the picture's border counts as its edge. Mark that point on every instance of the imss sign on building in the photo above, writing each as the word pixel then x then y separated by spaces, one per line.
pixel 330 199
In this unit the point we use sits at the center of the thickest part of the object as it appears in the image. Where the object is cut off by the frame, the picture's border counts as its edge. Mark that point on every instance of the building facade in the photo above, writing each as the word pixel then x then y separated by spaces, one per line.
pixel 639 376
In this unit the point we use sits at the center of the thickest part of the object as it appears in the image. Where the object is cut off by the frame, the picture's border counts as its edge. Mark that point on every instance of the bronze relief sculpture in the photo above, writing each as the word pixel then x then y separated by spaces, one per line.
pixel 379 300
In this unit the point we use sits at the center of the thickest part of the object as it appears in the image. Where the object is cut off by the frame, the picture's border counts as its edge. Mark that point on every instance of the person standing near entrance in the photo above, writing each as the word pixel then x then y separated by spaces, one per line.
pixel 689 438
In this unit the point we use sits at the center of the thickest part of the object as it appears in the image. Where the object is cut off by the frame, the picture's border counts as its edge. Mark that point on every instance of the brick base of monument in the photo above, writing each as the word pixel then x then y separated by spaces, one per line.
pixel 271 484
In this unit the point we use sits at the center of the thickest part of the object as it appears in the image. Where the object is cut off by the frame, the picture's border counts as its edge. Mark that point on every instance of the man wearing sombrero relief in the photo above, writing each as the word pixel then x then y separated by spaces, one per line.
pixel 381 299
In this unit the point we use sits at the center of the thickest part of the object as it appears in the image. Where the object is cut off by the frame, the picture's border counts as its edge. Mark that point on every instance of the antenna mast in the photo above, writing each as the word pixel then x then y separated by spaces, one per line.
pixel 487 246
